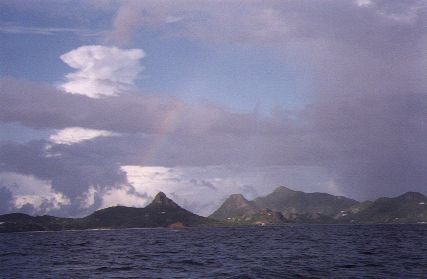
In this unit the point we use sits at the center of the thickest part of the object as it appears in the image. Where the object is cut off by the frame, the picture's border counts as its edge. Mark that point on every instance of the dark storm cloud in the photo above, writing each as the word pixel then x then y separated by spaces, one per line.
pixel 370 143
pixel 45 107
pixel 371 107
pixel 378 141
pixel 70 174
pixel 366 124
pixel 5 199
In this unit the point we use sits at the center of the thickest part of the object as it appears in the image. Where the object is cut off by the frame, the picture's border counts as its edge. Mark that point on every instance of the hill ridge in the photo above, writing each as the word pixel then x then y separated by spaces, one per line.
pixel 161 212
pixel 317 207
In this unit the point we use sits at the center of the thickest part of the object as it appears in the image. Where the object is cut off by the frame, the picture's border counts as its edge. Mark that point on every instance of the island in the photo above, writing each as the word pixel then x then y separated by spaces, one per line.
pixel 283 206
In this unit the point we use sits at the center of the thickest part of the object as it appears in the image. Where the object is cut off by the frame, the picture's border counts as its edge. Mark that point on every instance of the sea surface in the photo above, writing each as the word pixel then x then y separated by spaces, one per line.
pixel 294 251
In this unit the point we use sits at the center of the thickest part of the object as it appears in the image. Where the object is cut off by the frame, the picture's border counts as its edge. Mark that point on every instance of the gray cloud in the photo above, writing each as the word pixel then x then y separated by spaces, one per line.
pixel 378 141
pixel 271 21
pixel 40 106
pixel 5 200
pixel 10 28
pixel 203 183
pixel 70 174
pixel 366 125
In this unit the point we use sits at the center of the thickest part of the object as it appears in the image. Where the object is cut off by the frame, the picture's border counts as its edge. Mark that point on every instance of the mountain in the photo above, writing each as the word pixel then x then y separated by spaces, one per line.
pixel 289 201
pixel 18 222
pixel 282 206
pixel 294 205
pixel 161 212
pixel 234 205
pixel 410 207
pixel 358 207
pixel 321 208
pixel 260 217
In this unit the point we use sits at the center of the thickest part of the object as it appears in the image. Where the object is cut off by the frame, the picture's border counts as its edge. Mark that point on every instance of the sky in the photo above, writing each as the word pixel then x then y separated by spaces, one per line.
pixel 106 102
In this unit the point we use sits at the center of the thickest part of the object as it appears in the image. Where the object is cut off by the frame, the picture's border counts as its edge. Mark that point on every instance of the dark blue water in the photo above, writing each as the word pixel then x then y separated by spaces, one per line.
pixel 300 251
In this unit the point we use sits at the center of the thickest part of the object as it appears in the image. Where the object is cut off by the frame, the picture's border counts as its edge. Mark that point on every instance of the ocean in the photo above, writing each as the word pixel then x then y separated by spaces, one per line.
pixel 292 251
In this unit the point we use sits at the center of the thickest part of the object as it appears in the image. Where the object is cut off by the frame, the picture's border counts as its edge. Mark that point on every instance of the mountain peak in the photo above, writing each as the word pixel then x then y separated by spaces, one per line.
pixel 282 189
pixel 162 200
pixel 412 196
pixel 235 204
pixel 237 198
pixel 237 201
pixel 160 196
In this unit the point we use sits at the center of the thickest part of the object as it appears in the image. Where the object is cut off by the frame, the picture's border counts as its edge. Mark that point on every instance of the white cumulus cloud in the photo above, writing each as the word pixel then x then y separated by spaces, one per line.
pixel 73 135
pixel 122 196
pixel 30 190
pixel 101 70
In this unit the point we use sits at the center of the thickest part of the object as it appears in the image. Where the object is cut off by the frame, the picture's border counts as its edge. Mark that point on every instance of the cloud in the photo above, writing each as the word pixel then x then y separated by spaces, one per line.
pixel 271 22
pixel 365 124
pixel 363 3
pixel 77 134
pixel 101 71
pixel 30 194
pixel 125 195
pixel 46 107
pixel 70 174
pixel 5 200
pixel 182 184
pixel 10 28
pixel 362 134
